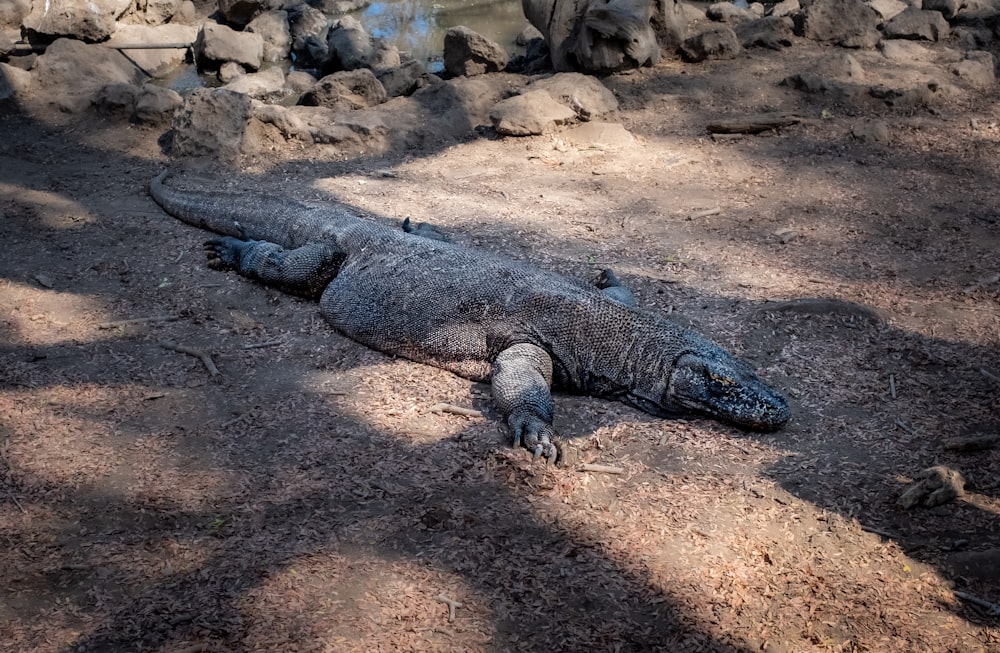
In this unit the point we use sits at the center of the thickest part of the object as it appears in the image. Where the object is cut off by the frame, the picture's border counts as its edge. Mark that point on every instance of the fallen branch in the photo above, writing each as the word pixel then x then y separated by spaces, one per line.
pixel 991 608
pixel 190 351
pixel 457 410
pixel 16 502
pixel 989 375
pixel 261 345
pixel 754 124
pixel 878 531
pixel 973 442
pixel 704 213
pixel 604 469
pixel 452 604
pixel 137 320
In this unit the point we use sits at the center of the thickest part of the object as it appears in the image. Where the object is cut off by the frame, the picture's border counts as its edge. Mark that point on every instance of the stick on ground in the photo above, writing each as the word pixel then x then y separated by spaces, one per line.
pixel 137 320
pixel 456 410
pixel 604 469
pixel 190 351
pixel 452 604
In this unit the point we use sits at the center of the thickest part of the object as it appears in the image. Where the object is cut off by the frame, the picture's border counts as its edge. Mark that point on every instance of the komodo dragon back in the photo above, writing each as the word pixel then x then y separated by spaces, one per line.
pixel 477 314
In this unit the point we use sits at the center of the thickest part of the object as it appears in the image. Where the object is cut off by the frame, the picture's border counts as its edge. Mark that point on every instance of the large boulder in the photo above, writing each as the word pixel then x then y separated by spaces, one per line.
pixel 272 26
pixel 584 94
pixel 212 122
pixel 155 12
pixel 715 43
pixel 596 35
pixel 217 44
pixel 467 53
pixel 267 86
pixel 70 72
pixel 917 24
pixel 404 79
pixel 155 62
pixel 13 13
pixel 848 23
pixel 350 47
pixel 85 20
pixel 241 12
pixel 309 28
pixel 533 112
pixel 346 90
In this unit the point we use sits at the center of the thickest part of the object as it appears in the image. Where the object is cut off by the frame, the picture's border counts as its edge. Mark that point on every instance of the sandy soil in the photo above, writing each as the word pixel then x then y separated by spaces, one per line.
pixel 308 499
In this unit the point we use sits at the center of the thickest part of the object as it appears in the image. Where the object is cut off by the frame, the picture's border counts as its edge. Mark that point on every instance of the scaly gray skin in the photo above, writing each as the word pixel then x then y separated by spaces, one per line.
pixel 478 315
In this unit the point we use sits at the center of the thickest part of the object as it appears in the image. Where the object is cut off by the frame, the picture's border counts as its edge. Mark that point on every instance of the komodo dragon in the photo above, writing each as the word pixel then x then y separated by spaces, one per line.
pixel 481 316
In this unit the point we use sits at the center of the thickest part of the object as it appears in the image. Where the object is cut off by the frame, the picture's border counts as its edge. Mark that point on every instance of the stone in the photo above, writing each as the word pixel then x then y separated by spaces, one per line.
pixel 947 8
pixel 840 65
pixel 774 32
pixel 241 12
pixel 871 131
pixel 727 12
pixel 933 486
pixel 211 122
pixel 599 136
pixel 917 24
pixel 848 23
pixel 350 47
pixel 156 12
pixel 888 9
pixel 978 69
pixel 273 28
pixel 785 8
pixel 716 43
pixel 230 72
pixel 404 79
pixel 362 131
pixel 116 100
pixel 899 51
pixel 299 81
pixel 217 44
pixel 14 83
pixel 71 71
pixel 468 53
pixel 584 94
pixel 527 35
pixel 308 28
pixel 156 104
pixel 530 113
pixel 159 62
pixel 346 90
pixel 972 38
pixel 266 86
pixel 186 14
pixel 13 13
pixel 86 20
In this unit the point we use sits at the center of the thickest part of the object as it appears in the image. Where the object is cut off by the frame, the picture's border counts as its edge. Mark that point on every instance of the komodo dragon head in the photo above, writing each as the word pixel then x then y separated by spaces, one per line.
pixel 718 385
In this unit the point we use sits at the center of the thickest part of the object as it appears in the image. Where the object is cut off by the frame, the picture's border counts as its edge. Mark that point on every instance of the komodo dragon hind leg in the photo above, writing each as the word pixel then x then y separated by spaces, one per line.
pixel 305 270
pixel 424 230
pixel 522 375
pixel 608 282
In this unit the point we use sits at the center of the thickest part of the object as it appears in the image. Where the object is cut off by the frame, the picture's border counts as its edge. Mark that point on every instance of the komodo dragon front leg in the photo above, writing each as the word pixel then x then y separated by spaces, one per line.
pixel 305 270
pixel 522 377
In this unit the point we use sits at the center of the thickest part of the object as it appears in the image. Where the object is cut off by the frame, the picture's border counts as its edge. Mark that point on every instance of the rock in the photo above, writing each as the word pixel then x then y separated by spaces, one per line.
pixel 156 104
pixel 156 12
pixel 727 12
pixel 785 8
pixel 362 130
pixel 716 43
pixel 217 44
pixel 979 69
pixel 299 81
pixel 917 24
pixel 13 13
pixel 972 38
pixel 840 65
pixel 446 110
pixel 849 23
pixel 603 36
pixel 241 12
pixel 155 63
pixel 350 47
pixel 774 32
pixel 273 28
pixel 599 136
pixel 186 14
pixel 904 51
pixel 871 131
pixel 14 83
pixel 70 72
pixel 933 487
pixel 211 122
pixel 86 20
pixel 468 53
pixel 267 85
pixel 527 35
pixel 346 90
pixel 230 72
pixel 584 94
pixel 887 9
pixel 404 79
pixel 309 28
pixel 947 8
pixel 116 100
pixel 531 113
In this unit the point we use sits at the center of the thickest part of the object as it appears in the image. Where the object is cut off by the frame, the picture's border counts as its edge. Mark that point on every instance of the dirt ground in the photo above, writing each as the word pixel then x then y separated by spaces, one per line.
pixel 307 498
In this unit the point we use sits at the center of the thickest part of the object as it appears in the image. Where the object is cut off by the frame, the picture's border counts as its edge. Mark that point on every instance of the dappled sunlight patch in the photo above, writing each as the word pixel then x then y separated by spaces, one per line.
pixel 32 314
pixel 45 209
pixel 357 600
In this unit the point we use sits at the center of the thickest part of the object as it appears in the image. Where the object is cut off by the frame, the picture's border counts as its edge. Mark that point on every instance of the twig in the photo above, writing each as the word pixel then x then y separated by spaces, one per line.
pixel 261 345
pixel 991 608
pixel 906 427
pixel 137 320
pixel 190 351
pixel 704 213
pixel 452 604
pixel 892 385
pixel 973 442
pixel 878 531
pixel 989 375
pixel 605 469
pixel 457 410
pixel 16 502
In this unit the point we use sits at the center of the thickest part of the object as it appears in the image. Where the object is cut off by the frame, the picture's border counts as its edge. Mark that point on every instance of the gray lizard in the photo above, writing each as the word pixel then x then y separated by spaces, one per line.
pixel 481 316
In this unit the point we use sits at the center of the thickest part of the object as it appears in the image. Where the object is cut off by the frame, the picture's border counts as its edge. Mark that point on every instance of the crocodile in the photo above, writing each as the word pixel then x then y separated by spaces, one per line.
pixel 412 293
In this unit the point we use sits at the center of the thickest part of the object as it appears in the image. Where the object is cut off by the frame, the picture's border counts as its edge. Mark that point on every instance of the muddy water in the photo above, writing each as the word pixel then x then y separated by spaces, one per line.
pixel 418 26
